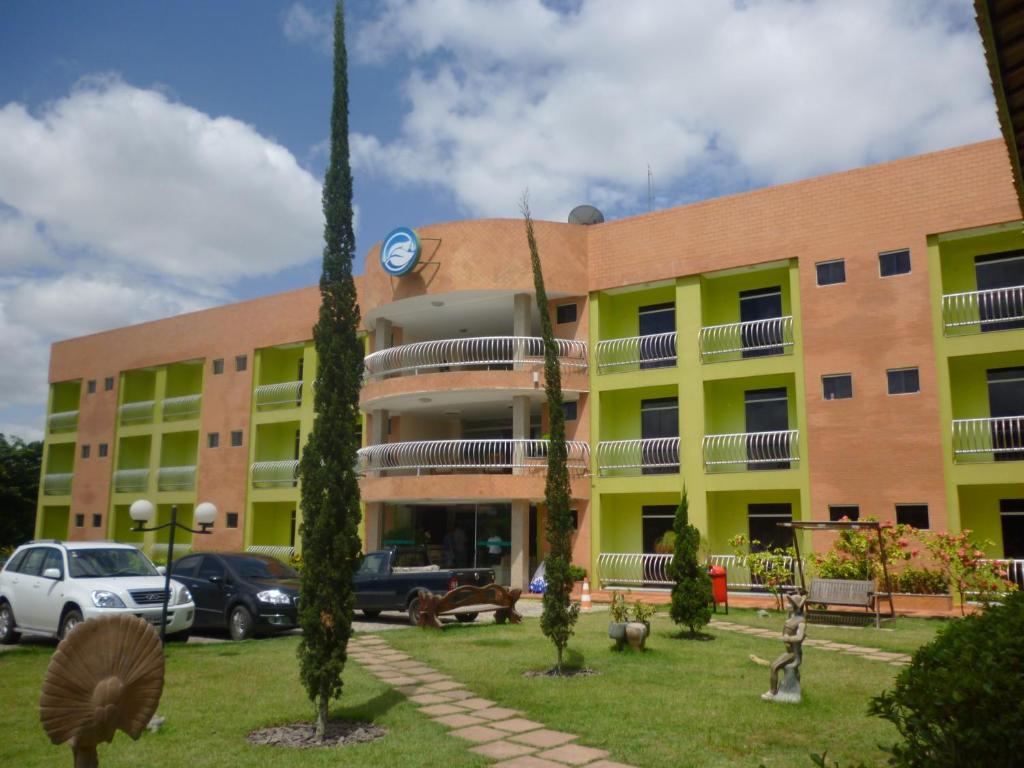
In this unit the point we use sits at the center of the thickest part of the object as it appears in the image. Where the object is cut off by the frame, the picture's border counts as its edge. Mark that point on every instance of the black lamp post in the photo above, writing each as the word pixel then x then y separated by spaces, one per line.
pixel 142 511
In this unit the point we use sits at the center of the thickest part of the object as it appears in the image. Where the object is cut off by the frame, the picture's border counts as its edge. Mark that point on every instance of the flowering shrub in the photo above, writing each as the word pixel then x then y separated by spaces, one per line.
pixel 922 581
pixel 855 554
pixel 963 564
pixel 770 567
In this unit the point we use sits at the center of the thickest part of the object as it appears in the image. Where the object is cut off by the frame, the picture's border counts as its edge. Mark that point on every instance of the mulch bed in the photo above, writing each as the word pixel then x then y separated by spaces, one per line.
pixel 339 733
pixel 566 672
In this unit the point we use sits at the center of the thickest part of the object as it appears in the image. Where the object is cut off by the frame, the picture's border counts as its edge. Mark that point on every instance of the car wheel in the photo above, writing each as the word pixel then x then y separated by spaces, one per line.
pixel 240 623
pixel 179 637
pixel 465 618
pixel 71 620
pixel 370 614
pixel 8 636
pixel 414 611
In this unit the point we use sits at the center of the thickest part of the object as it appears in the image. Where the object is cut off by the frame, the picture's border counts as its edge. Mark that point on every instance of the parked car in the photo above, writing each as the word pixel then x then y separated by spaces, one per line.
pixel 243 593
pixel 47 587
pixel 390 580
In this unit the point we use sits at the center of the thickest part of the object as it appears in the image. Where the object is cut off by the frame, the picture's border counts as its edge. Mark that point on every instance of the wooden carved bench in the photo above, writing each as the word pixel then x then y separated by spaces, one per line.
pixel 467 601
pixel 846 593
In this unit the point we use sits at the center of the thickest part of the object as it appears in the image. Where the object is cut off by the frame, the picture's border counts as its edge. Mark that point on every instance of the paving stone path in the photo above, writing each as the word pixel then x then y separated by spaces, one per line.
pixel 499 733
pixel 874 654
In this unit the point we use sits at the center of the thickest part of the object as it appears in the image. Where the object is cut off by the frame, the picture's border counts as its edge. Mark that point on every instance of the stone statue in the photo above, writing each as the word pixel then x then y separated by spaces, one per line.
pixel 107 674
pixel 793 633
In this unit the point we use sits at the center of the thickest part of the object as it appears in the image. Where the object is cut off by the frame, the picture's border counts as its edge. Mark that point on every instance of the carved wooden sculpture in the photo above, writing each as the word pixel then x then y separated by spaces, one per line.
pixel 106 675
pixel 470 599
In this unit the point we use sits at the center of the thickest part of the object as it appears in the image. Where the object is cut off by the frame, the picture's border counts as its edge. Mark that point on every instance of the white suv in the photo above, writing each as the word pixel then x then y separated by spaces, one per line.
pixel 47 587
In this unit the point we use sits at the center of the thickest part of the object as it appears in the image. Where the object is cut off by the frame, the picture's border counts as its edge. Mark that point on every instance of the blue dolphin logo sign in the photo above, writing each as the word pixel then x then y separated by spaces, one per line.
pixel 400 251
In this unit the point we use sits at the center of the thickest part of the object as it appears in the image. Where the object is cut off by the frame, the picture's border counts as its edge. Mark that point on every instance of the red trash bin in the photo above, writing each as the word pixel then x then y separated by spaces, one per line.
pixel 719 589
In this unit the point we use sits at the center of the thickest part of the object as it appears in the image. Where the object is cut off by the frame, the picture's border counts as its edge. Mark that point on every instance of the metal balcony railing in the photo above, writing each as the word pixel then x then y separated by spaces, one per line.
pixel 634 569
pixel 981 440
pixel 636 457
pixel 1013 567
pixel 751 450
pixel 468 457
pixel 283 394
pixel 129 480
pixel 481 352
pixel 998 309
pixel 275 474
pixel 182 407
pixel 140 412
pixel 176 478
pixel 756 338
pixel 271 550
pixel 57 484
pixel 637 352
pixel 63 421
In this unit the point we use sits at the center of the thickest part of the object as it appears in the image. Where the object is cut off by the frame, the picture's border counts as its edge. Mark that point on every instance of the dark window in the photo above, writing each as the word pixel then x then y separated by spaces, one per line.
pixel 831 272
pixel 767 410
pixel 912 514
pixel 575 516
pixel 904 381
pixel 837 386
pixel 32 564
pixel 656 520
pixel 103 450
pixel 15 562
pixel 763 525
pixel 236 438
pixel 1000 308
pixel 79 521
pixel 1011 513
pixel 760 329
pixel 1005 407
pixel 213 440
pixel 659 418
pixel 97 521
pixel 894 263
pixel 565 313
pixel 241 363
pixel 837 512
pixel 90 386
pixel 232 519
pixel 211 566
pixel 218 366
pixel 374 564
pixel 85 451
pixel 570 411
pixel 108 383
pixel 187 566
pixel 657 349
pixel 53 560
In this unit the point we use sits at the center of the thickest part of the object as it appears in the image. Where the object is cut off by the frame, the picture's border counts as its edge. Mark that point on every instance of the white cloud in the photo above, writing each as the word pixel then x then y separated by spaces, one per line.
pixel 22 244
pixel 513 94
pixel 301 25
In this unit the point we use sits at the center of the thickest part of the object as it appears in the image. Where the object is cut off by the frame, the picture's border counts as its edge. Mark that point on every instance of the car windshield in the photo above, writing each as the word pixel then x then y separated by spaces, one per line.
pixel 262 568
pixel 98 563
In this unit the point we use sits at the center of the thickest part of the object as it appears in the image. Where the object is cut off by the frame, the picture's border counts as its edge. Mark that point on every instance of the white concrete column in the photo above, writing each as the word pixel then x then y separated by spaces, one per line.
pixel 520 429
pixel 381 334
pixel 521 304
pixel 379 427
pixel 519 577
pixel 372 514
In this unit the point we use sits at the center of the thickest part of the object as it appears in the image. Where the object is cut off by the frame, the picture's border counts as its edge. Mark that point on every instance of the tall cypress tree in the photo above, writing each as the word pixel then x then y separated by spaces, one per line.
pixel 330 491
pixel 691 595
pixel 560 613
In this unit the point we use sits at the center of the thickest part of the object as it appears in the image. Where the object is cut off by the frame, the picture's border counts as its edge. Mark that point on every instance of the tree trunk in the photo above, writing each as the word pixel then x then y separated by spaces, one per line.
pixel 321 716
pixel 558 665
pixel 85 757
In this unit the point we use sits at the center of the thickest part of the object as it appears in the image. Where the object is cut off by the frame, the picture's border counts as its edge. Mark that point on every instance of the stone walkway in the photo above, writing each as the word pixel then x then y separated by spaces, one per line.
pixel 496 732
pixel 875 654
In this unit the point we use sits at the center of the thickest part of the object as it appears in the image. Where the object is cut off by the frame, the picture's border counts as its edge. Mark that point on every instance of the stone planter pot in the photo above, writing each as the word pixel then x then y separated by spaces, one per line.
pixel 903 601
pixel 636 634
pixel 617 631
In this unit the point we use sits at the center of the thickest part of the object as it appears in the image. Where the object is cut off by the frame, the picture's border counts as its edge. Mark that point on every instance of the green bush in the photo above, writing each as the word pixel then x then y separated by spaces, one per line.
pixel 577 573
pixel 961 700
pixel 691 595
pixel 922 581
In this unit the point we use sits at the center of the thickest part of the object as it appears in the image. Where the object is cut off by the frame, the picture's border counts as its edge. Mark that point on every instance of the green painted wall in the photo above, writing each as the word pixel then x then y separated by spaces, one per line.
pixel 957 257
pixel 720 295
pixel 727 513
pixel 65 396
pixel 138 386
pixel 969 382
pixel 184 379
pixel 179 449
pixel 621 519
pixel 276 441
pixel 54 522
pixel 979 512
pixel 724 401
pixel 163 515
pixel 279 365
pixel 271 525
pixel 60 458
pixel 617 316
pixel 121 525
pixel 620 411
pixel 133 452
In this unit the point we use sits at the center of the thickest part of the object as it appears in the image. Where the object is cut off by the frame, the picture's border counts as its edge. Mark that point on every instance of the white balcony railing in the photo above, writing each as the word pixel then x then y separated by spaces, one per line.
pixel 635 457
pixel 480 352
pixel 182 407
pixel 634 569
pixel 468 457
pixel 981 440
pixel 283 394
pixel 129 480
pixel 773 336
pixel 57 484
pixel 281 552
pixel 176 478
pixel 976 311
pixel 655 351
pixel 63 421
pixel 275 474
pixel 1012 567
pixel 140 412
pixel 755 450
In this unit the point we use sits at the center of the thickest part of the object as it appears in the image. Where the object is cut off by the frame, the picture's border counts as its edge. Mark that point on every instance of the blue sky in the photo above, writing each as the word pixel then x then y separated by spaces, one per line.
pixel 159 157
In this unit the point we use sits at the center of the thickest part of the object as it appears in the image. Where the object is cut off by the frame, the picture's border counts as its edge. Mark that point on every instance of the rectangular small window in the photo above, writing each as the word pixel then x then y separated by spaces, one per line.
pixel 218 366
pixel 565 313
pixel 86 450
pixel 108 383
pixel 97 521
pixel 894 263
pixel 831 272
pixel 837 386
pixel 570 410
pixel 837 512
pixel 241 362
pixel 912 514
pixel 103 450
pixel 231 519
pixel 236 438
pixel 574 516
pixel 79 521
pixel 213 440
pixel 90 386
pixel 903 381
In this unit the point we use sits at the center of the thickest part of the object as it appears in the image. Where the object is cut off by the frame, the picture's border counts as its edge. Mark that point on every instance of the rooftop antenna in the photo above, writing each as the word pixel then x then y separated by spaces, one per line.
pixel 650 188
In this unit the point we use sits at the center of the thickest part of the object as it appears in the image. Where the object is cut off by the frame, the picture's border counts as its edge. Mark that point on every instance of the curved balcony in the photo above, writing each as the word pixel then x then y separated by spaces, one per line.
pixel 140 412
pixel 176 478
pixel 484 352
pixel 983 440
pixel 998 309
pixel 756 338
pixel 63 421
pixel 275 474
pixel 285 394
pixel 751 450
pixel 131 480
pixel 180 408
pixel 57 484
pixel 469 457
pixel 657 350
pixel 637 457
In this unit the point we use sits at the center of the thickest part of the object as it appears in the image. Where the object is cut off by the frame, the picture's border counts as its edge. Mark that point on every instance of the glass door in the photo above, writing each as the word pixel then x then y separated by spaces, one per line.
pixel 659 417
pixel 767 410
pixel 656 319
pixel 1000 310
pixel 1006 408
pixel 1011 514
pixel 759 338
